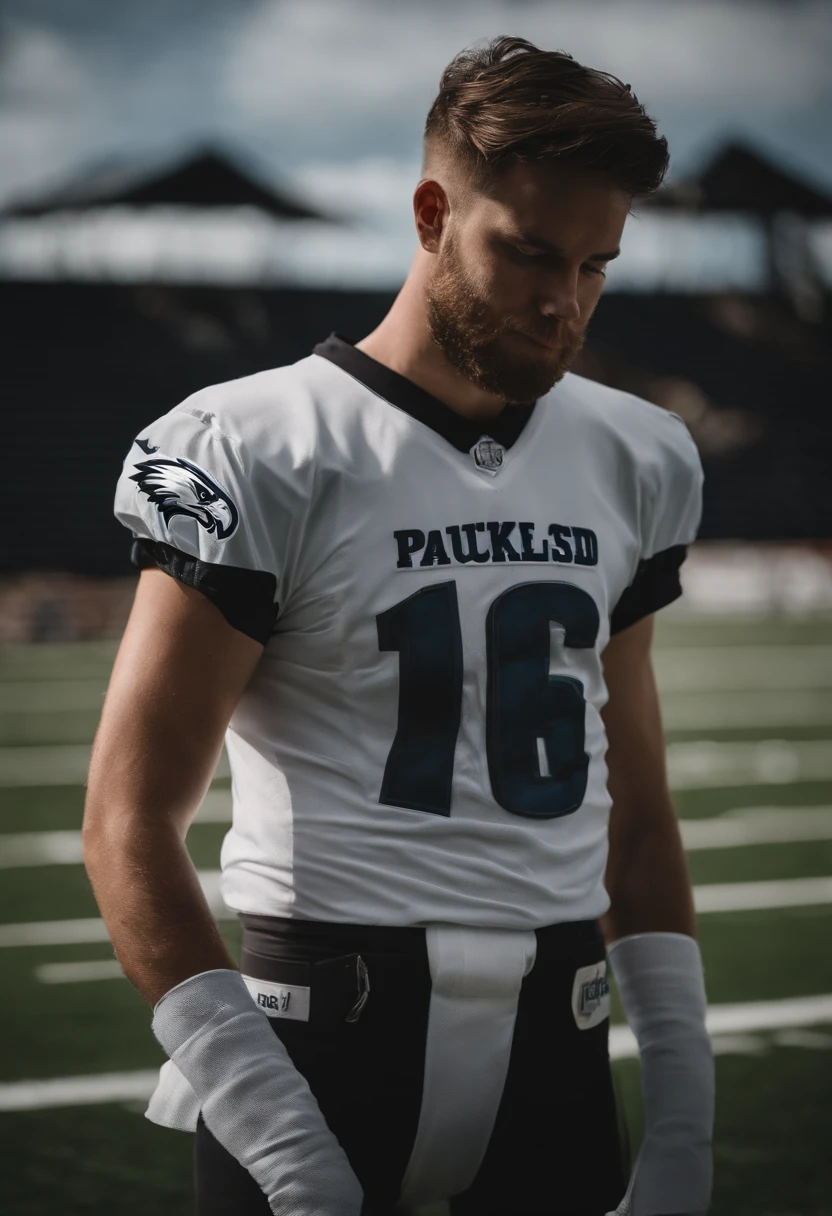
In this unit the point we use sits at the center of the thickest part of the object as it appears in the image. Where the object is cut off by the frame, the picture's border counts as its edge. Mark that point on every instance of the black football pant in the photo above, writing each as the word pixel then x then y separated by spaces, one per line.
pixel 555 1147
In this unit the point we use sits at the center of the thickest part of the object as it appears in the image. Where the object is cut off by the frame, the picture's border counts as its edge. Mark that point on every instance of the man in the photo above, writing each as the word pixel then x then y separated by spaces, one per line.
pixel 415 578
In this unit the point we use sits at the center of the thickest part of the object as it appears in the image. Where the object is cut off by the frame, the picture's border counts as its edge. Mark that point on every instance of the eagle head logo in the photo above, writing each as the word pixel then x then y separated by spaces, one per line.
pixel 178 487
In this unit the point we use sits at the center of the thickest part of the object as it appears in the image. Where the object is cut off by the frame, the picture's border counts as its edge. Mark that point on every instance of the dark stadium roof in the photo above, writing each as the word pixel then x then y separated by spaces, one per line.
pixel 739 178
pixel 202 179
pixel 173 340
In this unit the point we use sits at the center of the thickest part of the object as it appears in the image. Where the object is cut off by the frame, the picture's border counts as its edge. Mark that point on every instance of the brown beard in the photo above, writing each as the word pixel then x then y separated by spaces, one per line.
pixel 459 321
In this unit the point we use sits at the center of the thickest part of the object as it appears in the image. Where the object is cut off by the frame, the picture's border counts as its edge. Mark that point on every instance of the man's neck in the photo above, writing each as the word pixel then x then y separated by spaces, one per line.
pixel 403 343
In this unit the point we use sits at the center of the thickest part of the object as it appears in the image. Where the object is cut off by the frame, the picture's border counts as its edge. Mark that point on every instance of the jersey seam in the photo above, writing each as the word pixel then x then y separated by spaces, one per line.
pixel 208 419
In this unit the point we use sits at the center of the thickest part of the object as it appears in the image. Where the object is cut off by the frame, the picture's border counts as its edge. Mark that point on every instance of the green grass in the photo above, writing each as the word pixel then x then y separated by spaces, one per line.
pixel 38 893
pixel 766 956
pixel 679 629
pixel 58 661
pixel 21 730
pixel 762 862
pixel 93 1159
pixel 771 1132
pixel 74 1029
pixel 41 808
pixel 773 1124
pixel 702 804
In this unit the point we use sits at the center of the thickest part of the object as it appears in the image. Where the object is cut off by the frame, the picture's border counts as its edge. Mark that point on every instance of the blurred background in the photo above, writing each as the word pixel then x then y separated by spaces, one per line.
pixel 195 190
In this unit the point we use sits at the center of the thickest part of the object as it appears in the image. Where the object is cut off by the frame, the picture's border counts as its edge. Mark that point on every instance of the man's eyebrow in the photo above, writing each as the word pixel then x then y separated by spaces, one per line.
pixel 538 242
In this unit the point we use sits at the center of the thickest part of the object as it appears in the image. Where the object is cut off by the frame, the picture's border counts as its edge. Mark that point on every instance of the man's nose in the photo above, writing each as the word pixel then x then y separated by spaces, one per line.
pixel 560 296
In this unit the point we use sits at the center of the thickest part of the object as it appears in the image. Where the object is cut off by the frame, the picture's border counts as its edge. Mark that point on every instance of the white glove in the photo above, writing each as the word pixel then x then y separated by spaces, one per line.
pixel 253 1099
pixel 662 989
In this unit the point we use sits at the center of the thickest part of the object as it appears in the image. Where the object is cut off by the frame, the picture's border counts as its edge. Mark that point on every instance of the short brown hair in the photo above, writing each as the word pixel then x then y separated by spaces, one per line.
pixel 509 101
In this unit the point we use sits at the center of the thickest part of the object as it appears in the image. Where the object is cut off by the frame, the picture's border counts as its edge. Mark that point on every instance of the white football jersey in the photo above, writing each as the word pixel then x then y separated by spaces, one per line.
pixel 421 741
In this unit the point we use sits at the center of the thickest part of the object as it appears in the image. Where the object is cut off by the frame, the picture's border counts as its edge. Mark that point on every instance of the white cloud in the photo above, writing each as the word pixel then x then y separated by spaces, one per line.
pixel 50 107
pixel 325 62
pixel 337 92
pixel 41 70
pixel 28 142
pixel 367 190
pixel 296 60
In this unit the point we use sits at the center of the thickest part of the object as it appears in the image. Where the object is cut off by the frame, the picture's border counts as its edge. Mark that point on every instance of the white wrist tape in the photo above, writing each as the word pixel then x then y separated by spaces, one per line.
pixel 662 989
pixel 253 1099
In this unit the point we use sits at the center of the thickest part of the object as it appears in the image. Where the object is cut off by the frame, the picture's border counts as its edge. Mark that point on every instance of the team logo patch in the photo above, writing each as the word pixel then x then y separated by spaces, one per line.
pixel 591 995
pixel 488 454
pixel 178 487
pixel 279 1000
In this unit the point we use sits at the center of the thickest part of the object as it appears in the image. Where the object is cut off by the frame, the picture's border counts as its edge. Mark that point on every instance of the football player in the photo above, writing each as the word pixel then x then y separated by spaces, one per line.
pixel 411 581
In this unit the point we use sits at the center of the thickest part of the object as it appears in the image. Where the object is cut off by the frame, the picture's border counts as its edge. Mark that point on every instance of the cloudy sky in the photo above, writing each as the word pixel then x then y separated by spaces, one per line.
pixel 332 94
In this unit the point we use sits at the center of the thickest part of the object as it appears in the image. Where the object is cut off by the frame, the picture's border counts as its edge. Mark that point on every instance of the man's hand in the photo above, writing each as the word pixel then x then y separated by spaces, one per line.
pixel 659 977
pixel 253 1099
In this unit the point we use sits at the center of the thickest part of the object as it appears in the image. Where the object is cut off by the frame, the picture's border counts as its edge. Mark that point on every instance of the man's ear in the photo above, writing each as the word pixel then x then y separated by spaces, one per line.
pixel 431 209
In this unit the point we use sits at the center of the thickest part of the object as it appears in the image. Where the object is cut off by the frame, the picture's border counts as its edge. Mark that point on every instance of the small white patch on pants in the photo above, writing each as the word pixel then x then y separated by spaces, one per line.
pixel 279 1000
pixel 591 995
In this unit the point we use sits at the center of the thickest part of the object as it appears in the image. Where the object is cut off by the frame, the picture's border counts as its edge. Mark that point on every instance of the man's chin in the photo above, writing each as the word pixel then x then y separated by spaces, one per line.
pixel 508 364
pixel 517 389
pixel 519 379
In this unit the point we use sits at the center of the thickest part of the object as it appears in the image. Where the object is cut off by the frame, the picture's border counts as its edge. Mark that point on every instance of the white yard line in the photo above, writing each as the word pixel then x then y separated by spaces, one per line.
pixel 747 825
pixel 682 708
pixel 63 848
pixel 51 696
pixel 699 764
pixel 39 849
pixel 753 825
pixel 91 929
pixel 79 973
pixel 55 764
pixel 709 668
pixel 763 709
pixel 683 669
pixel 706 764
pixel 78 1091
pixel 55 932
pixel 710 897
pixel 49 764
pixel 215 807
pixel 749 896
pixel 724 1021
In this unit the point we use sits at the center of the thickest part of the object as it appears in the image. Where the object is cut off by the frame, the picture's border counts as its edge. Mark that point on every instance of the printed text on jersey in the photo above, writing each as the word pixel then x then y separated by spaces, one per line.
pixel 495 541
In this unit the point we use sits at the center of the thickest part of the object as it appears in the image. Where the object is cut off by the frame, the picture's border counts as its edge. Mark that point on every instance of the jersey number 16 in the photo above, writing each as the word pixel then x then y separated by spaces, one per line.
pixel 534 720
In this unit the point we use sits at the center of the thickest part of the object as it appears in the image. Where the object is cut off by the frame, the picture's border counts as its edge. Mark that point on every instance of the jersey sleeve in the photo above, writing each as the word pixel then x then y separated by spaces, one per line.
pixel 671 511
pixel 198 506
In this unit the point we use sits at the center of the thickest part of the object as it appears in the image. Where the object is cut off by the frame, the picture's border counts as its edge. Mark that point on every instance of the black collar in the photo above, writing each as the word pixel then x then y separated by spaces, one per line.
pixel 463 433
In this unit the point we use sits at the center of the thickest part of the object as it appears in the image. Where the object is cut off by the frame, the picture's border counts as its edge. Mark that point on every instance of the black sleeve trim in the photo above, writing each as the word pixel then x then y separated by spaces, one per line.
pixel 246 598
pixel 655 585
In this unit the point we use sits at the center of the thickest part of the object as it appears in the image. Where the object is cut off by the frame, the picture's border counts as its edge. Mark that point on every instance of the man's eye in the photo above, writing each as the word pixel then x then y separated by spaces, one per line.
pixel 536 256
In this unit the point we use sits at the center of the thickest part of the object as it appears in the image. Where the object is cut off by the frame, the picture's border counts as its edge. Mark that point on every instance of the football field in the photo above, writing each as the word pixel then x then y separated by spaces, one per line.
pixel 748 716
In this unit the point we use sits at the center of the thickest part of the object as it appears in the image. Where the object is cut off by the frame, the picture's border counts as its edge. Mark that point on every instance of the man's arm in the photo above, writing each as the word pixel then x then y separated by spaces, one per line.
pixel 649 930
pixel 647 875
pixel 179 673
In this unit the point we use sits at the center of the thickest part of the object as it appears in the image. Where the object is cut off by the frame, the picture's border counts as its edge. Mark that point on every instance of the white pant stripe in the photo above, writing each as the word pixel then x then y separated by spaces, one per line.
pixel 476 977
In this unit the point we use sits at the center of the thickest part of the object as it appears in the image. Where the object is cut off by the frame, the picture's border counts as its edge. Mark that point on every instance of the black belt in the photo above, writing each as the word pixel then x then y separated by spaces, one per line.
pixel 279 937
pixel 331 958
